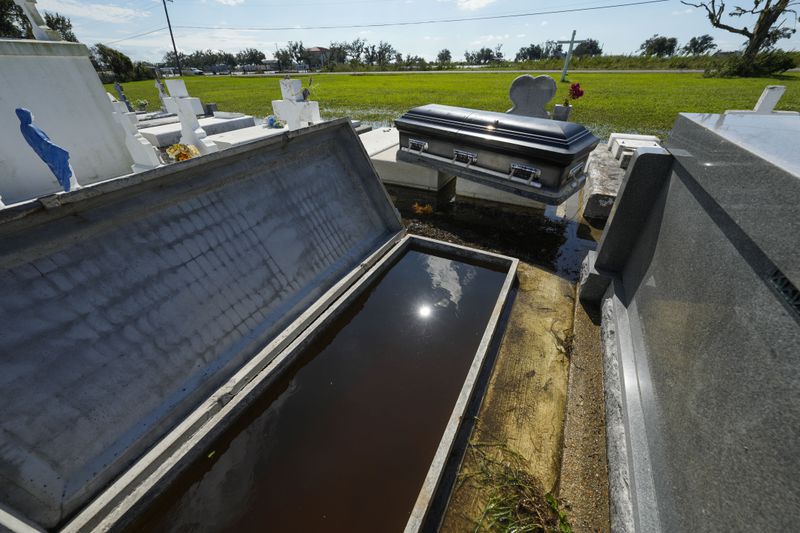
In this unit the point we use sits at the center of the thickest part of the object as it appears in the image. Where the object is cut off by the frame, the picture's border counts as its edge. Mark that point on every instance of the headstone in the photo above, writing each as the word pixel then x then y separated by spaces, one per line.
pixel 177 88
pixel 121 96
pixel 177 91
pixel 191 132
pixel 295 109
pixel 144 154
pixel 530 95
pixel 41 31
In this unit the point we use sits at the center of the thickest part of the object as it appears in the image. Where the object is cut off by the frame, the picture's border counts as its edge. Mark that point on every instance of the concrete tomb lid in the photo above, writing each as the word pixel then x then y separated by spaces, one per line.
pixel 530 95
pixel 127 303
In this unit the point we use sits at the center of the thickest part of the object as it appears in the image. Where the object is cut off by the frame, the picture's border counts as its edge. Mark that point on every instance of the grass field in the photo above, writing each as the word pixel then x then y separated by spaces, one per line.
pixel 614 101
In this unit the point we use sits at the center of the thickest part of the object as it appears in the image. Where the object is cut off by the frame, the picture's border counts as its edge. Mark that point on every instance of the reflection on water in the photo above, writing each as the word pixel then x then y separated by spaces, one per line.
pixel 449 276
pixel 343 440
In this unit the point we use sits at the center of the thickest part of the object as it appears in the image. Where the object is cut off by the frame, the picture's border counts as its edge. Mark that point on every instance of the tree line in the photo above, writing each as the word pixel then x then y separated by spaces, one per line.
pixel 759 55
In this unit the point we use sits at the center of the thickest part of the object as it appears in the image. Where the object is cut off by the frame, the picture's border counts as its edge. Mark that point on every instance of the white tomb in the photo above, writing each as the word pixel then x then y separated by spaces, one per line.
pixel 57 82
pixel 294 109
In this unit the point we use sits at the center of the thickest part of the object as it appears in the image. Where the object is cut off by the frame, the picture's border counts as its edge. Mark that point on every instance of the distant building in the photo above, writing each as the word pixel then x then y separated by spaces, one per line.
pixel 317 56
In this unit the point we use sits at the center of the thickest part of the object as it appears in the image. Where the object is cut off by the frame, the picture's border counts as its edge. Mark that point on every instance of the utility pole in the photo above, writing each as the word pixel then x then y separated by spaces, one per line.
pixel 572 42
pixel 174 48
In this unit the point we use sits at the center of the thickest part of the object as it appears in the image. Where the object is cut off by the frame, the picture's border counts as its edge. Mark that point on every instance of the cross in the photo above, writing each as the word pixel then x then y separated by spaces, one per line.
pixel 571 43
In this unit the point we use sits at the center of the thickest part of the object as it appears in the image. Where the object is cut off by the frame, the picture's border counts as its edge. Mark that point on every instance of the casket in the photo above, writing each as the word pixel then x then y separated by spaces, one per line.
pixel 537 158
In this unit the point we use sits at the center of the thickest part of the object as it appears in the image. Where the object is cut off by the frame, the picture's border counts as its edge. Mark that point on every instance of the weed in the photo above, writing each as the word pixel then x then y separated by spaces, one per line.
pixel 515 501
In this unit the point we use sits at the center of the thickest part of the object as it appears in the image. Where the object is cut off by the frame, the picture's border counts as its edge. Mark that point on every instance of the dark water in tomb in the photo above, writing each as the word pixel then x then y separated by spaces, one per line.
pixel 343 440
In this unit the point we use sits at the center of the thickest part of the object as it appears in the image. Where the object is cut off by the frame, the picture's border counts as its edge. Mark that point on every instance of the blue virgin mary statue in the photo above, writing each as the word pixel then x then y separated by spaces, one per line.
pixel 54 156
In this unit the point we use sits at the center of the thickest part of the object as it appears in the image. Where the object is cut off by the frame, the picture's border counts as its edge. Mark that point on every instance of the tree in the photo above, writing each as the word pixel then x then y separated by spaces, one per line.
pixel 15 25
pixel 698 46
pixel 531 52
pixel 552 50
pixel 767 30
pixel 250 56
pixel 337 52
pixel 298 52
pixel 284 58
pixel 589 47
pixel 384 53
pixel 106 58
pixel 370 54
pixel 355 49
pixel 444 56
pixel 13 22
pixel 169 59
pixel 659 46
pixel 61 24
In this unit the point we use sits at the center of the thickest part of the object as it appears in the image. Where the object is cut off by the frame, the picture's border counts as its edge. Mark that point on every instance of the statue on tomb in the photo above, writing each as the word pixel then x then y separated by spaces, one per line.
pixel 53 155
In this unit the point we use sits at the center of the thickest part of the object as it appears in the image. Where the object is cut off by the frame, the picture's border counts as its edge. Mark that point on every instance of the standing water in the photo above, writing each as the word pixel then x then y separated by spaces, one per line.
pixel 343 439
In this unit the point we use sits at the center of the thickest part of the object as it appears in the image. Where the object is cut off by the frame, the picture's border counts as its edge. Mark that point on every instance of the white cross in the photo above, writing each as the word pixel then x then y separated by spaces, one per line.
pixel 571 43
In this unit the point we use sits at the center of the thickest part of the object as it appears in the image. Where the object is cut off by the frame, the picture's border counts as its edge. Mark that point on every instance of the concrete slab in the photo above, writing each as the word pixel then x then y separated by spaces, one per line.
pixel 244 135
pixel 397 172
pixel 168 134
pixel 379 140
pixel 476 191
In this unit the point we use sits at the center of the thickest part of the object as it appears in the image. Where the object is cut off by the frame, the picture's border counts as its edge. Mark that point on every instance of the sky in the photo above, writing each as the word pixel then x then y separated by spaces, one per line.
pixel 620 30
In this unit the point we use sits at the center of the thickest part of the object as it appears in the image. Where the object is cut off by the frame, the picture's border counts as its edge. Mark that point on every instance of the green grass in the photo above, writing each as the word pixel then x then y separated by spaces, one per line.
pixel 625 102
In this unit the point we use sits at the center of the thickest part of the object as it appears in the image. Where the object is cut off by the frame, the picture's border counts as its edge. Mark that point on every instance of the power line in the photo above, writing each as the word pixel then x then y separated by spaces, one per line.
pixel 419 22
pixel 136 36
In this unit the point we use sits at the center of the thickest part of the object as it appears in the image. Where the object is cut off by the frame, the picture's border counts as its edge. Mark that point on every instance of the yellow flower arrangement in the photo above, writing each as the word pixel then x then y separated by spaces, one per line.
pixel 182 152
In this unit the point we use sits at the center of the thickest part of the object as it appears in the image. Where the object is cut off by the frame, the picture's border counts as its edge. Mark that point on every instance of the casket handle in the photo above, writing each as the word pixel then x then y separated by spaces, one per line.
pixel 576 171
pixel 417 145
pixel 526 173
pixel 462 156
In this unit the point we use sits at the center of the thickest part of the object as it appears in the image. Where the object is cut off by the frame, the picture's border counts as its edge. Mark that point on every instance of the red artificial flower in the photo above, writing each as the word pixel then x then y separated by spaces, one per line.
pixel 575 91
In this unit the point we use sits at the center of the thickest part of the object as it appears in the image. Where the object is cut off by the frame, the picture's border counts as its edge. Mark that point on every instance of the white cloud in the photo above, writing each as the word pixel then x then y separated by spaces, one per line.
pixel 544 23
pixel 433 38
pixel 686 11
pixel 230 2
pixel 488 39
pixel 520 35
pixel 471 5
pixel 99 12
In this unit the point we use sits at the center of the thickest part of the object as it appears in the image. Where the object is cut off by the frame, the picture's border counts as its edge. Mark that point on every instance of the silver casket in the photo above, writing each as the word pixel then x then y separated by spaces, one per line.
pixel 537 158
